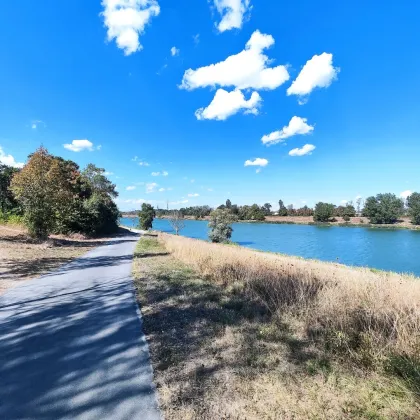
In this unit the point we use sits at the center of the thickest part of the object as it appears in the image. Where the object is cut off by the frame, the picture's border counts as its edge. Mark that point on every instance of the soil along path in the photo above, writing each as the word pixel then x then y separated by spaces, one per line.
pixel 71 343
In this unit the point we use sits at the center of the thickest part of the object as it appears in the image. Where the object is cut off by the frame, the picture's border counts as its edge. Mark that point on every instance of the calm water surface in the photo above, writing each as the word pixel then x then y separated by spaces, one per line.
pixel 385 249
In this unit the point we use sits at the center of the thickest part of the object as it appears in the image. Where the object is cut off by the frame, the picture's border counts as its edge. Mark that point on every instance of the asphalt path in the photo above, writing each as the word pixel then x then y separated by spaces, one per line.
pixel 71 343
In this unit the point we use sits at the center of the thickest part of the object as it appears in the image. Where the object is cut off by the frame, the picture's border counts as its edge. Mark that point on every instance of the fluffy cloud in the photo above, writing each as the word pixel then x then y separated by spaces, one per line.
pixel 143 163
pixel 9 160
pixel 256 162
pixel 126 20
pixel 297 125
pixel 194 195
pixel 79 146
pixel 131 188
pixel 151 187
pixel 226 104
pixel 165 189
pixel 406 194
pixel 233 13
pixel 305 150
pixel 164 173
pixel 317 72
pixel 175 51
pixel 247 70
pixel 36 123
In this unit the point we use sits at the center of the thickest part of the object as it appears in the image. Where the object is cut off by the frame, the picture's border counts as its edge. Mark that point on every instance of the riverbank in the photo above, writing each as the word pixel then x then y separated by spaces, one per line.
pixel 403 223
pixel 22 258
pixel 236 333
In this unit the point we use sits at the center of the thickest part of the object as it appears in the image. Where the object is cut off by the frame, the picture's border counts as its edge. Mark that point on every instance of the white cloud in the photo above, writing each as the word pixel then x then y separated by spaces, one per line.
pixel 108 173
pixel 297 125
pixel 36 123
pixel 9 160
pixel 151 187
pixel 131 188
pixel 257 171
pixel 175 51
pixel 233 13
pixel 165 189
pixel 192 181
pixel 79 146
pixel 143 163
pixel 210 189
pixel 406 194
pixel 179 202
pixel 343 202
pixel 317 72
pixel 194 195
pixel 196 39
pixel 246 70
pixel 305 150
pixel 126 20
pixel 226 104
pixel 164 173
pixel 256 162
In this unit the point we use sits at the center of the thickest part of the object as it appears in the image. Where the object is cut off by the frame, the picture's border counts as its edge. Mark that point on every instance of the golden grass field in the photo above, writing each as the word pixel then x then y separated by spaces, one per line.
pixel 240 334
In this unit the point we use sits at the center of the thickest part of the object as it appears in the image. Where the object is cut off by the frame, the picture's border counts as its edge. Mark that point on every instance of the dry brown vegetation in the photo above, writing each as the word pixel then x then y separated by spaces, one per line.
pixel 240 334
pixel 22 258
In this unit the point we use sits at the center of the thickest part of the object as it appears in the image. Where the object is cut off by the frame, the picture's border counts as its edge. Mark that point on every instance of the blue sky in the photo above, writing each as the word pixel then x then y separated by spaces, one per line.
pixel 340 101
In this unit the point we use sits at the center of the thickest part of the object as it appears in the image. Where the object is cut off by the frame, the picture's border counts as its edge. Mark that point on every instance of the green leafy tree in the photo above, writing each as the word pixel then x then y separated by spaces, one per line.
pixel 413 202
pixel 228 204
pixel 266 208
pixel 8 201
pixel 383 209
pixel 323 212
pixel 43 192
pixel 94 181
pixel 220 225
pixel 282 209
pixel 146 216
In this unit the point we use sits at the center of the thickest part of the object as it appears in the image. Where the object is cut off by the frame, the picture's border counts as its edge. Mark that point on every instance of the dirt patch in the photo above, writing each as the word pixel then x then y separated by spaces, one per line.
pixel 217 354
pixel 22 258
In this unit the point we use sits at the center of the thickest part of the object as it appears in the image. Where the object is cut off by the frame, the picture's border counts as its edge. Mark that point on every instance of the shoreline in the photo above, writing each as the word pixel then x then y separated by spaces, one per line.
pixel 304 220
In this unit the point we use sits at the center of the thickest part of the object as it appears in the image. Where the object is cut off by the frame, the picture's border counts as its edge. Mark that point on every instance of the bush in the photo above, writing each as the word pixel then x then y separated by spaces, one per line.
pixel 323 212
pixel 383 209
pixel 146 216
pixel 346 218
pixel 220 225
pixel 413 203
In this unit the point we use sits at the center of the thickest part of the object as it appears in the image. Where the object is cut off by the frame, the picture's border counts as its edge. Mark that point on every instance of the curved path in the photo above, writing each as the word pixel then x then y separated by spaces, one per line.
pixel 71 343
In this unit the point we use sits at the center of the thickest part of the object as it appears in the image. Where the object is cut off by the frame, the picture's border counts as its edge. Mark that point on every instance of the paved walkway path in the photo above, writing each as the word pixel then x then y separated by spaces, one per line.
pixel 71 344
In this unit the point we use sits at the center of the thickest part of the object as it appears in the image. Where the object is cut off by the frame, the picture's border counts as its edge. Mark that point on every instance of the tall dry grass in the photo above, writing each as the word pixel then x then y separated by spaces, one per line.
pixel 370 316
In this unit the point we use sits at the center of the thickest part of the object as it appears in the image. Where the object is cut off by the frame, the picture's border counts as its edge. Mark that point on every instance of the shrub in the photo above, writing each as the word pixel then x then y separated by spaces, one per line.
pixel 323 212
pixel 384 208
pixel 146 216
pixel 413 203
pixel 346 218
pixel 220 225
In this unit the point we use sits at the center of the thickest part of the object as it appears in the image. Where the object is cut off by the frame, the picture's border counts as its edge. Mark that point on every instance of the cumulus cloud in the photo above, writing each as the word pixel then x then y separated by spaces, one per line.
pixel 256 162
pixel 317 72
pixel 175 51
pixel 233 13
pixel 126 21
pixel 151 187
pixel 131 188
pixel 247 70
pixel 226 104
pixel 406 194
pixel 297 125
pixel 9 160
pixel 79 146
pixel 164 173
pixel 305 150
pixel 194 195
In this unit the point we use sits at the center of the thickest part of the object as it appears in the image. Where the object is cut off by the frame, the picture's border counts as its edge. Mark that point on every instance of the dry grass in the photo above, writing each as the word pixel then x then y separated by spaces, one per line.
pixel 233 335
pixel 21 258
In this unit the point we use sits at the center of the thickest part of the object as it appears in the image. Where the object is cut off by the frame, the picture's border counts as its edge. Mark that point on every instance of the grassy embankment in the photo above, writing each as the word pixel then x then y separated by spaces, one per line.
pixel 240 334
pixel 22 258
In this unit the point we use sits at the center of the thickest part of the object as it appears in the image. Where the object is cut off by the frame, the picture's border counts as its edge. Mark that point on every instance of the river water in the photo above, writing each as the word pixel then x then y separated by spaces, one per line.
pixel 385 249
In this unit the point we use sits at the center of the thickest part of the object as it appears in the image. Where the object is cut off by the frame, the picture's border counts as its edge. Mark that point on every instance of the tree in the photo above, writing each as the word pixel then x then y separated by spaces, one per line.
pixel 290 210
pixel 323 212
pixel 43 192
pixel 220 225
pixel 95 181
pixel 384 208
pixel 413 202
pixel 266 208
pixel 345 211
pixel 228 204
pixel 176 220
pixel 146 216
pixel 359 205
pixel 282 209
pixel 7 199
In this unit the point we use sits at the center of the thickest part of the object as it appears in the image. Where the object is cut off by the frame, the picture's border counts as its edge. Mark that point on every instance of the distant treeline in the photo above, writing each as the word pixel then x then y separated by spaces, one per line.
pixel 53 195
